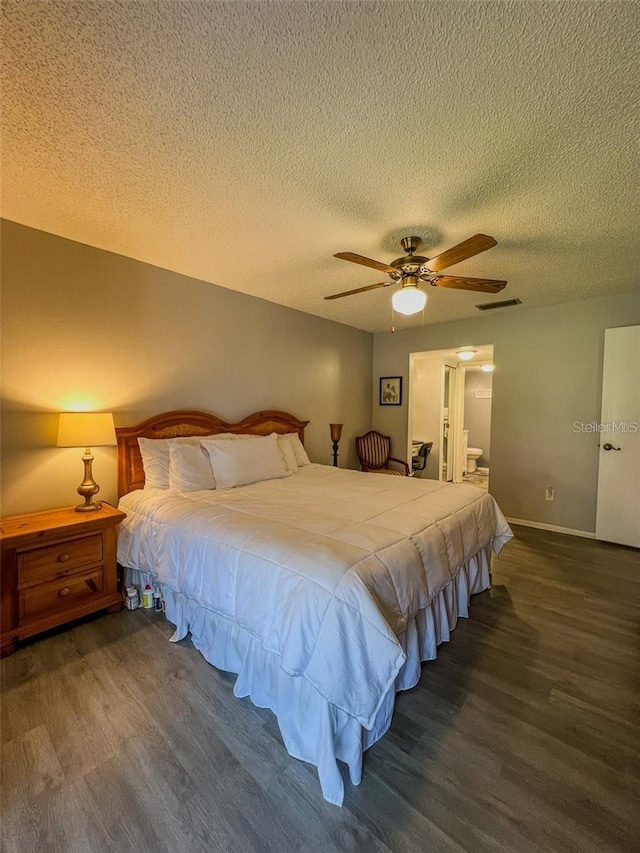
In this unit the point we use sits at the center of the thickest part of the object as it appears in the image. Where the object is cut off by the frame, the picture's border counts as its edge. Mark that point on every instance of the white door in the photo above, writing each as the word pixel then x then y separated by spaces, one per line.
pixel 618 511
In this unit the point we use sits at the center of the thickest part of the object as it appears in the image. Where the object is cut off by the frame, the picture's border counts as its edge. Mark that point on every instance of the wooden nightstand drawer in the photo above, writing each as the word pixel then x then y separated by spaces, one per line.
pixel 45 564
pixel 60 594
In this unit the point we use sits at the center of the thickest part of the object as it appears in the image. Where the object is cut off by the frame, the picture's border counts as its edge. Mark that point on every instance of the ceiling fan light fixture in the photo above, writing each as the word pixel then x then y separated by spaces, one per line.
pixel 466 354
pixel 409 300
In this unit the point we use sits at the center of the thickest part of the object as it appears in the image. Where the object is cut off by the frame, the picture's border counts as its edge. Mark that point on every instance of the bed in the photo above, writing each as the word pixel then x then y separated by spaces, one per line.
pixel 324 589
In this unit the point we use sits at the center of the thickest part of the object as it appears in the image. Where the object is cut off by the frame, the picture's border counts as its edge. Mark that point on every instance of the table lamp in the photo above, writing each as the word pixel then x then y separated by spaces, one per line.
pixel 86 429
pixel 336 433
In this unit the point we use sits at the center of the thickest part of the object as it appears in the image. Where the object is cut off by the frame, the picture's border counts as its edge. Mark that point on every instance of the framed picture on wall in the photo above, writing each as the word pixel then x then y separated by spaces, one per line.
pixel 391 390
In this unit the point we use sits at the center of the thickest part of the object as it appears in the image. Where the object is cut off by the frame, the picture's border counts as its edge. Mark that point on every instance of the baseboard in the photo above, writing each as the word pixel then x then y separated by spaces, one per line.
pixel 553 527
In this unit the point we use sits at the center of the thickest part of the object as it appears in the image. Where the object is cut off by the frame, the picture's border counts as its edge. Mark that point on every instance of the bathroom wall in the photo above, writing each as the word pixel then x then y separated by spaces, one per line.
pixel 477 412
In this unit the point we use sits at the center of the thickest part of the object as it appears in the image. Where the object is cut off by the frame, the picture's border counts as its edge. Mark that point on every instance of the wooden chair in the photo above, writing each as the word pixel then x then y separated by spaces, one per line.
pixel 374 454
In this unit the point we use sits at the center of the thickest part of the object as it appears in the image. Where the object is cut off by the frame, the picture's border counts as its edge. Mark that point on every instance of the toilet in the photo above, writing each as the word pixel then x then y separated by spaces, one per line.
pixel 473 454
pixel 470 454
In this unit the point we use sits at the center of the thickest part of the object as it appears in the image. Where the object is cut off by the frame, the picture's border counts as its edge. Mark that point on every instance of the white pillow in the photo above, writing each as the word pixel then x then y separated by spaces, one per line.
pixel 155 457
pixel 285 444
pixel 189 468
pixel 298 449
pixel 237 463
pixel 155 461
pixel 288 454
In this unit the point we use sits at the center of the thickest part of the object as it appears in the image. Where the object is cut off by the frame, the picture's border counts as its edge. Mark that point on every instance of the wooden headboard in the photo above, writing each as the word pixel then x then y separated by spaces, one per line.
pixel 178 424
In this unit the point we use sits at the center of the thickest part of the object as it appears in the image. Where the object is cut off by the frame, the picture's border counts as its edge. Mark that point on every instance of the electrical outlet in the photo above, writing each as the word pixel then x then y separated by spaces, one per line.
pixel 549 494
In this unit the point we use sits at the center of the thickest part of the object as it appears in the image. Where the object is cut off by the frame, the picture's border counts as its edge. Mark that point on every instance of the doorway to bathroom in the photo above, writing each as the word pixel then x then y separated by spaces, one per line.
pixel 478 393
pixel 450 399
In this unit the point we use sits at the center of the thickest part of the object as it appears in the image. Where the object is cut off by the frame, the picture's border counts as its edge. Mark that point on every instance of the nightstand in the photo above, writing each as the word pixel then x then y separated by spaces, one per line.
pixel 56 566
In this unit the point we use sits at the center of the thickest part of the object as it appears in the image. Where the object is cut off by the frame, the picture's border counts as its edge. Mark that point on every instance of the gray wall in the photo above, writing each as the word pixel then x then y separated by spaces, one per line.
pixel 477 413
pixel 548 375
pixel 87 329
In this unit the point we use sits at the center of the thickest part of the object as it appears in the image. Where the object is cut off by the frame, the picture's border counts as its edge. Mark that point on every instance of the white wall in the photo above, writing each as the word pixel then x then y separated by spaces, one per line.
pixel 548 375
pixel 426 405
pixel 86 328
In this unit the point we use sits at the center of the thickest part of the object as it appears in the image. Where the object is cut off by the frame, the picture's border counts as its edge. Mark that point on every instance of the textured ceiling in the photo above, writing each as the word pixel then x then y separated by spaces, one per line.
pixel 245 143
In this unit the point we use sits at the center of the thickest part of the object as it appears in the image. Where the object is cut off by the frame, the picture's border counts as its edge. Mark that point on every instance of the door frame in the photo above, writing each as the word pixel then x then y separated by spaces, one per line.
pixel 456 420
pixel 456 396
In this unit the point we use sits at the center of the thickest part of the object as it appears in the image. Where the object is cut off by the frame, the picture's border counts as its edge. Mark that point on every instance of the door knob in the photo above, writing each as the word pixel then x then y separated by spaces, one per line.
pixel 610 447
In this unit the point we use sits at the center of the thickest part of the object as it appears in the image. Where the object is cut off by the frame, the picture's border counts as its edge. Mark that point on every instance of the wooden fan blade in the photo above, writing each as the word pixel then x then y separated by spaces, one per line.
pixel 359 290
pixel 482 285
pixel 366 262
pixel 473 246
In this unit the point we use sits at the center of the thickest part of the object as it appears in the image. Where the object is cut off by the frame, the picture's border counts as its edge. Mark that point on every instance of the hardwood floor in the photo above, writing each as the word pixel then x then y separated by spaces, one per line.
pixel 523 737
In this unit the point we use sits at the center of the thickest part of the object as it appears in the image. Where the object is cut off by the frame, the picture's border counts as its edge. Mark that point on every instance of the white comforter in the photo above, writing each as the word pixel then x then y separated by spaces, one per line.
pixel 325 567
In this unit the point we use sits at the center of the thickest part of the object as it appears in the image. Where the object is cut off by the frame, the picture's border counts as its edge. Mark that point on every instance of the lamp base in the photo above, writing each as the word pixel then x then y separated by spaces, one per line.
pixel 88 488
pixel 88 506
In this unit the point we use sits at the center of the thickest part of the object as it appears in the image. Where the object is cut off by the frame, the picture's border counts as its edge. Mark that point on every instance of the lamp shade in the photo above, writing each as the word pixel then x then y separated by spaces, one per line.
pixel 409 300
pixel 86 429
pixel 336 431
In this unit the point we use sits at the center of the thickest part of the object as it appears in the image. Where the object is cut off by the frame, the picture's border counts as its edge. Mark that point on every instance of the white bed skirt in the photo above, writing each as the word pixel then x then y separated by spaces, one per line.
pixel 312 729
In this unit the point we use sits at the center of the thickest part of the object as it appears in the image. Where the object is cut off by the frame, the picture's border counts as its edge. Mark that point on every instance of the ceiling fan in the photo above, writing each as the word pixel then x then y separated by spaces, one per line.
pixel 410 270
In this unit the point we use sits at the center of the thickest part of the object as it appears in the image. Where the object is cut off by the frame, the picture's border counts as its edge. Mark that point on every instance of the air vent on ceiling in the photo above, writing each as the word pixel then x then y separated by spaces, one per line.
pixel 506 303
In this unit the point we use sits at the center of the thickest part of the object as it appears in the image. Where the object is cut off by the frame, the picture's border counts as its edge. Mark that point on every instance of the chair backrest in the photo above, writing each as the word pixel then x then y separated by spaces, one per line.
pixel 373 449
pixel 419 461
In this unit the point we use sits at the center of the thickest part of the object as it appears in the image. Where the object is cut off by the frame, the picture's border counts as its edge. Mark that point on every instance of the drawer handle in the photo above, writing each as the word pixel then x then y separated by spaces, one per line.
pixel 64 591
pixel 62 558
